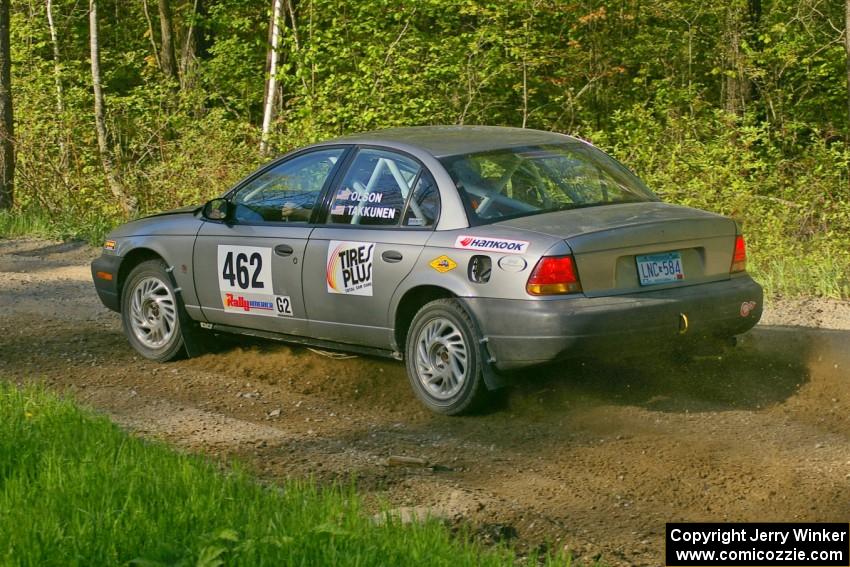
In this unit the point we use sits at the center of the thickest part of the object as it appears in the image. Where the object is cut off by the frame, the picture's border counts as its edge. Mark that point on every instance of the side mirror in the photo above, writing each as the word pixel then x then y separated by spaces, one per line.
pixel 217 209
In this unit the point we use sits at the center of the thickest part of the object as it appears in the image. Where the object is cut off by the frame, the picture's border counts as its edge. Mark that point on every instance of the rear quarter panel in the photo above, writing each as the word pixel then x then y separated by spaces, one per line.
pixel 505 283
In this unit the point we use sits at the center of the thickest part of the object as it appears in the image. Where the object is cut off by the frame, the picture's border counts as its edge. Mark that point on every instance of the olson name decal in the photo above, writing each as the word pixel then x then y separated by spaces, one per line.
pixel 349 267
pixel 491 244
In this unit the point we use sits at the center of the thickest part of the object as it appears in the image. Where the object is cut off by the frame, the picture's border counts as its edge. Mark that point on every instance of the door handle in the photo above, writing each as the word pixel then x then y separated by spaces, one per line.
pixel 283 250
pixel 392 256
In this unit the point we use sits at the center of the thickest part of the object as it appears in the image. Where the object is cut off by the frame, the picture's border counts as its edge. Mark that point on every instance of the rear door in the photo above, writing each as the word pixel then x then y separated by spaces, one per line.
pixel 379 218
pixel 248 270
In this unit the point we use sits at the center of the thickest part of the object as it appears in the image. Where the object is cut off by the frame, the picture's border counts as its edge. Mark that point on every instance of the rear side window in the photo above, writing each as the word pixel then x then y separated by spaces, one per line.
pixel 423 209
pixel 376 189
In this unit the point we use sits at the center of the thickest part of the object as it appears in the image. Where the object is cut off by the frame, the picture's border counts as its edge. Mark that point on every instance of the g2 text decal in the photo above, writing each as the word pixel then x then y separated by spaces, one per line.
pixel 349 267
pixel 491 244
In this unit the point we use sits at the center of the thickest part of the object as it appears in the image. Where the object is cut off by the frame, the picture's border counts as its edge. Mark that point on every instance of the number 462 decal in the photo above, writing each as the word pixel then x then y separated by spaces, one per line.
pixel 245 282
pixel 245 268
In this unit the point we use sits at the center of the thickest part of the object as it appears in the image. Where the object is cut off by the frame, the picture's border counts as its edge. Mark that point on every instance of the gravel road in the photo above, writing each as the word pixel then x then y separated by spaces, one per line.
pixel 593 456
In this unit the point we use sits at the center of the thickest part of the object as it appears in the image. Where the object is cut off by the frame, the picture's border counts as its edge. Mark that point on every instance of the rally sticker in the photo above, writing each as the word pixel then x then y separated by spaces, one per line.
pixel 349 267
pixel 491 244
pixel 257 304
pixel 245 282
pixel 443 264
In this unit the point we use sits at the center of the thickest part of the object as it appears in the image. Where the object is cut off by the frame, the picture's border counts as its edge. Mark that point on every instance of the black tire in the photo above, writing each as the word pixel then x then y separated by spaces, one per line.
pixel 161 308
pixel 421 364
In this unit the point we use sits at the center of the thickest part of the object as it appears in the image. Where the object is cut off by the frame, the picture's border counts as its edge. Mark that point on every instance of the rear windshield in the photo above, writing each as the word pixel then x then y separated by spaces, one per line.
pixel 515 182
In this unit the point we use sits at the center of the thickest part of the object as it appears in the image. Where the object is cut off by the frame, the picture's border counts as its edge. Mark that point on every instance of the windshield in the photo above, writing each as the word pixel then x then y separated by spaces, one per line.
pixel 528 180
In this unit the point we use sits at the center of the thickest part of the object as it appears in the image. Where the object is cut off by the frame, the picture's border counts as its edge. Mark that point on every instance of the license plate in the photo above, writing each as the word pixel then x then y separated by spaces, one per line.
pixel 660 268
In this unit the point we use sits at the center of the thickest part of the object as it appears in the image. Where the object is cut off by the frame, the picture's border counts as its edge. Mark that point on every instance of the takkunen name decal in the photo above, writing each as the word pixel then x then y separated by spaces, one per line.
pixel 491 244
pixel 361 206
pixel 349 267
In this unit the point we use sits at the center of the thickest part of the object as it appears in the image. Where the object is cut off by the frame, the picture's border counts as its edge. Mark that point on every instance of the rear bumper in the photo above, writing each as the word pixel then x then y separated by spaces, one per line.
pixel 107 290
pixel 527 332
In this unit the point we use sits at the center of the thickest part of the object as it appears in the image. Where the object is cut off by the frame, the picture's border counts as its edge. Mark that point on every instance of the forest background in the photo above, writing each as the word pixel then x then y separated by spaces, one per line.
pixel 119 108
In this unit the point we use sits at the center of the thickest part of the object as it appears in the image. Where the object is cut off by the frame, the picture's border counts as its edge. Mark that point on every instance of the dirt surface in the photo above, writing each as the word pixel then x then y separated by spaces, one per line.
pixel 594 457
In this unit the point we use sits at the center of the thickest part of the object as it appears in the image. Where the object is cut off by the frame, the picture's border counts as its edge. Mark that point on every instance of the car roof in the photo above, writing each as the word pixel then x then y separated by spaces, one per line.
pixel 443 141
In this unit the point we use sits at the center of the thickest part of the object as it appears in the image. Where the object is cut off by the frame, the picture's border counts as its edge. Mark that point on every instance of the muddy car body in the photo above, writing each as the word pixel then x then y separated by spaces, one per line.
pixel 467 251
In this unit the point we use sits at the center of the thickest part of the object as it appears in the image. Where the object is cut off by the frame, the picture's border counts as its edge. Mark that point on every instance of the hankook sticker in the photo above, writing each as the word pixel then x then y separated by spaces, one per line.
pixel 492 244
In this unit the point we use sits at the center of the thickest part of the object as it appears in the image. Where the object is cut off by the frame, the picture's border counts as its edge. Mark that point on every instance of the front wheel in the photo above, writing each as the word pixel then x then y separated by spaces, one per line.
pixel 150 312
pixel 443 358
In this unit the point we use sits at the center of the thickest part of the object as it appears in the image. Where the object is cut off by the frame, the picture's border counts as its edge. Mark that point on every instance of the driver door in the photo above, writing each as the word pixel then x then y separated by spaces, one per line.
pixel 248 270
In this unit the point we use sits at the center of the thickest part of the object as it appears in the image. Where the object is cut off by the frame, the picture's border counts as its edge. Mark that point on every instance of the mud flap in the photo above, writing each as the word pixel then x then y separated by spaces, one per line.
pixel 193 336
pixel 492 379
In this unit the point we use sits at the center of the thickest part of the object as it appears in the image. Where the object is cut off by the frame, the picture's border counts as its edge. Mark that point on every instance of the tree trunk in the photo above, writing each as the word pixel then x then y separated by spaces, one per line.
pixel 57 61
pixel 847 48
pixel 195 48
pixel 7 132
pixel 57 79
pixel 271 84
pixel 736 86
pixel 150 33
pixel 128 203
pixel 167 57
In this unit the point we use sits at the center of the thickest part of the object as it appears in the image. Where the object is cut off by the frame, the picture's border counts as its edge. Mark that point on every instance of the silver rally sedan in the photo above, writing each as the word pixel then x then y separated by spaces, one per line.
pixel 465 251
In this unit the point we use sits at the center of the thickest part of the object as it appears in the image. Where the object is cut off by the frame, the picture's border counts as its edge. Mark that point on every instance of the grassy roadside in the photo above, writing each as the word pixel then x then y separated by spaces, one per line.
pixel 75 489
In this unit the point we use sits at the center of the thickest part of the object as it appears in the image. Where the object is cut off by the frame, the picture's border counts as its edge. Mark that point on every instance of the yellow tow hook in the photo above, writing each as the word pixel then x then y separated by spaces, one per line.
pixel 683 323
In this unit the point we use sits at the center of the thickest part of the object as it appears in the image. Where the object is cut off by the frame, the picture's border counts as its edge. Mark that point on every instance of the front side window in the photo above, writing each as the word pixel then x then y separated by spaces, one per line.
pixel 522 181
pixel 287 192
pixel 375 189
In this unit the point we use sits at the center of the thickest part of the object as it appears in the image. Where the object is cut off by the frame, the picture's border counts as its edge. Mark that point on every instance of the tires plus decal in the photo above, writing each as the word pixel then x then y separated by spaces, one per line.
pixel 491 244
pixel 245 282
pixel 349 267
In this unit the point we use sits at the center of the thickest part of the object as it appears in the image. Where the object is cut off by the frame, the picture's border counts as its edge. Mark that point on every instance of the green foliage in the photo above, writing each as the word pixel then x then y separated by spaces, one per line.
pixel 653 82
pixel 76 490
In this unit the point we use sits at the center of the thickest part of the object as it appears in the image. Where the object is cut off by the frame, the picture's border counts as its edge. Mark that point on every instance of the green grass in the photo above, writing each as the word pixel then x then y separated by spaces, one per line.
pixel 76 490
pixel 803 275
pixel 39 223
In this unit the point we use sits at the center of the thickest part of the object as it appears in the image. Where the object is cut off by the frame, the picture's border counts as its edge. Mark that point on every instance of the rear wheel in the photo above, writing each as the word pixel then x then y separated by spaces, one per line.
pixel 443 359
pixel 150 312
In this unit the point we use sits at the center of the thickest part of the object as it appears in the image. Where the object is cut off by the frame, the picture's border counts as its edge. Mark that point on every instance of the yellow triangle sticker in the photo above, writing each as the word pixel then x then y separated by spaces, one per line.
pixel 443 264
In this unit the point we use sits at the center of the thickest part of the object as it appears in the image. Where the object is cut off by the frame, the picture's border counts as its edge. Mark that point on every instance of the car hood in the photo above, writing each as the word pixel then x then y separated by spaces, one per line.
pixel 177 211
pixel 182 221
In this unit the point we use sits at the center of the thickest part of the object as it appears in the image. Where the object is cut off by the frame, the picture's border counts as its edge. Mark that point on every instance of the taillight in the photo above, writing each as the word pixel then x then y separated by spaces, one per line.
pixel 554 275
pixel 739 258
